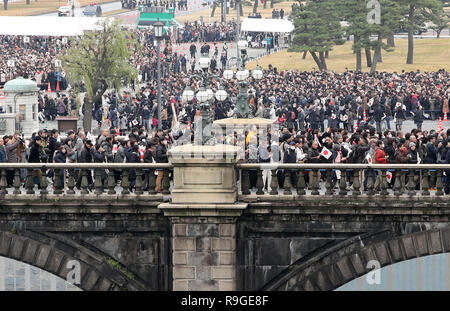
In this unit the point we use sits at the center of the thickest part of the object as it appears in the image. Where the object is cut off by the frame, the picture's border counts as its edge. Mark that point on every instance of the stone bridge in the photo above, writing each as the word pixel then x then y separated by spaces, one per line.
pixel 210 231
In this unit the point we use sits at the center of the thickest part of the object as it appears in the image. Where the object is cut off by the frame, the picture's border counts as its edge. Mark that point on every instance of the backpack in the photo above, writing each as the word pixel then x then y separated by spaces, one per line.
pixel 266 113
pixel 290 156
pixel 352 157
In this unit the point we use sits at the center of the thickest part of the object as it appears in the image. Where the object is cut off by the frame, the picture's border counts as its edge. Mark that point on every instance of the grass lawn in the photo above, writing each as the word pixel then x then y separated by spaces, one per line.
pixel 429 55
pixel 265 13
pixel 41 6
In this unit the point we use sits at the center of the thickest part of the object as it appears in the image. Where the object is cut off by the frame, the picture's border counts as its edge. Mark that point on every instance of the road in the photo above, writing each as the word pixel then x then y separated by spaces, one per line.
pixel 193 6
pixel 107 7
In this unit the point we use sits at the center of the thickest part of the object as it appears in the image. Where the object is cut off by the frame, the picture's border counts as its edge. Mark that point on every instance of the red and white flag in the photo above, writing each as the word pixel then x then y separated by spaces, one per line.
pixel 368 158
pixel 325 153
pixel 114 148
pixel 141 152
pixel 91 138
pixel 388 176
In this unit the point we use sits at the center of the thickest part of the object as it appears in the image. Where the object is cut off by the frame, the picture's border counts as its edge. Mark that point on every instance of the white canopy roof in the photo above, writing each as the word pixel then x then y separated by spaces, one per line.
pixel 266 25
pixel 46 25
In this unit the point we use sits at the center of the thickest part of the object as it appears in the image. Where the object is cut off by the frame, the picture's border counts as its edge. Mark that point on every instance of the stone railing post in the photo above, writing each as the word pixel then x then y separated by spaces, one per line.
pixel 203 213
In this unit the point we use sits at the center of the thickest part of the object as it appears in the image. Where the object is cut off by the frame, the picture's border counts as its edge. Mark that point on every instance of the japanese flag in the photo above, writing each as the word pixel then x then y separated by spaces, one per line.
pixel 114 149
pixel 142 151
pixel 91 138
pixel 134 122
pixel 325 153
pixel 388 176
pixel 368 158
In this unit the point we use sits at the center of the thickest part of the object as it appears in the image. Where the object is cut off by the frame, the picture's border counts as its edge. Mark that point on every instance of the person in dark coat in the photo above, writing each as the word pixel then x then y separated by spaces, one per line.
pixel 161 157
pixel 148 158
pixel 36 152
pixel 100 157
pixel 3 158
pixel 378 116
pixel 431 158
pixel 86 156
pixel 418 117
pixel 431 151
pixel 133 157
pixel 51 144
pixel 447 173
pixel 60 157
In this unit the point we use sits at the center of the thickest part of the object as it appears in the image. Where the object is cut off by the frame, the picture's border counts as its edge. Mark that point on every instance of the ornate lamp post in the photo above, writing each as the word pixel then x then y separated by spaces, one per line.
pixel 158 28
pixel 204 96
pixel 243 109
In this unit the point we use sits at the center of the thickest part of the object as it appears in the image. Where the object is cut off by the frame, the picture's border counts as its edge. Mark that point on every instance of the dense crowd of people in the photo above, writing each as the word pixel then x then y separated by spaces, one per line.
pixel 181 5
pixel 314 99
pixel 334 145
pixel 357 117
pixel 348 114
pixel 202 32
pixel 33 60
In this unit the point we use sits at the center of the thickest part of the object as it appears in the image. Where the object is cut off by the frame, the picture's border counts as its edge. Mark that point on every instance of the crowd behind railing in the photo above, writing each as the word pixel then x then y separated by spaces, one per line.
pixel 413 160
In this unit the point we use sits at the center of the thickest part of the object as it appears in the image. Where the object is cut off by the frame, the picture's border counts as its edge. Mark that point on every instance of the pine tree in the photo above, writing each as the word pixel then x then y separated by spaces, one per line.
pixel 390 18
pixel 317 29
pixel 354 12
pixel 440 20
pixel 416 16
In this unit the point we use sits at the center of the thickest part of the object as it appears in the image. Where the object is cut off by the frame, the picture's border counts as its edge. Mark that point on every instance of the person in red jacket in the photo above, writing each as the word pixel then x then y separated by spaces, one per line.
pixel 380 158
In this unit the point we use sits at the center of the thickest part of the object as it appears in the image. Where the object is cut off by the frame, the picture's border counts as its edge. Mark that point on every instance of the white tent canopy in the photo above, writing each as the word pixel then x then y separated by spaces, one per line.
pixel 266 25
pixel 46 25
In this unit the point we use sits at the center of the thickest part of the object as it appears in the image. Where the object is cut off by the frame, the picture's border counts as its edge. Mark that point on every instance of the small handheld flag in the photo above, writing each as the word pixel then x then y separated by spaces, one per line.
pixel 368 158
pixel 388 176
pixel 325 153
pixel 141 152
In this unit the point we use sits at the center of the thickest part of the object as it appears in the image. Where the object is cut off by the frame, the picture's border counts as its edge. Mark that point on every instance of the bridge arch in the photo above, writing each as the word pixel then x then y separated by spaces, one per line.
pixel 51 253
pixel 347 260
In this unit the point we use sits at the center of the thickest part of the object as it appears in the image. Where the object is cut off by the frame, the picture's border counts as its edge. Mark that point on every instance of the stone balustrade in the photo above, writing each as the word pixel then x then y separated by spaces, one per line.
pixel 343 179
pixel 297 179
pixel 107 179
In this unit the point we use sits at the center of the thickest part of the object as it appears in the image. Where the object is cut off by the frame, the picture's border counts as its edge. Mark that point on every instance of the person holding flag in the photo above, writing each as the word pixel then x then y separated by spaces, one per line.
pixel 399 116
